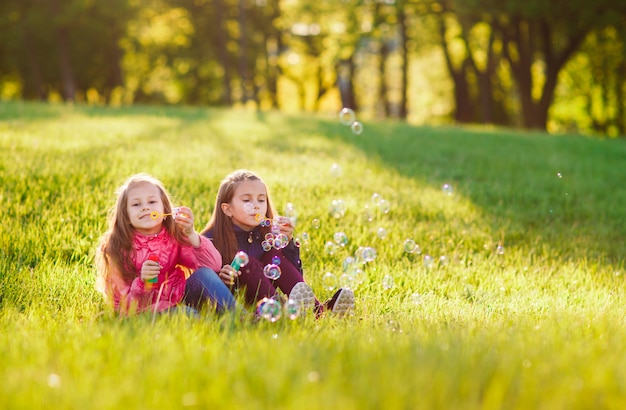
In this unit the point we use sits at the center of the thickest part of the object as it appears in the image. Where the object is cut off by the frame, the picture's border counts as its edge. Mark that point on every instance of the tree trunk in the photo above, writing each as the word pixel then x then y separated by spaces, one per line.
pixel 67 72
pixel 115 77
pixel 383 92
pixel 620 86
pixel 345 75
pixel 222 52
pixel 273 46
pixel 401 16
pixel 36 87
pixel 521 35
pixel 244 72
pixel 462 99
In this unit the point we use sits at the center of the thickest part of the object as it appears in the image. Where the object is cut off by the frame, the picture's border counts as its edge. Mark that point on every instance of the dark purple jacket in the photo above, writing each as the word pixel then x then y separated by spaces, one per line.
pixel 250 243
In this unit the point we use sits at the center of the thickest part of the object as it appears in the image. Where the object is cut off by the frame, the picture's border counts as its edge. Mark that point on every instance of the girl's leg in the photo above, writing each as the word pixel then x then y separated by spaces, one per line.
pixel 290 275
pixel 204 286
pixel 256 285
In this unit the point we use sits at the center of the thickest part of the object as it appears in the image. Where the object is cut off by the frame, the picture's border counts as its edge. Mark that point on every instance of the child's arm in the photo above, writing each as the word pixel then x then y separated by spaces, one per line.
pixel 208 255
pixel 203 255
pixel 184 221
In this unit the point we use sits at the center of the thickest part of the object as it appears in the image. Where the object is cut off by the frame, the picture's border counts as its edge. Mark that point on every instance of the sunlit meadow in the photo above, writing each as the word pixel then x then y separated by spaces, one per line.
pixel 497 281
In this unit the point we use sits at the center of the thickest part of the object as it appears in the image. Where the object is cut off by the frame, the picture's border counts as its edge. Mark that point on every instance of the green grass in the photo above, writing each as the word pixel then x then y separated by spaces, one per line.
pixel 540 326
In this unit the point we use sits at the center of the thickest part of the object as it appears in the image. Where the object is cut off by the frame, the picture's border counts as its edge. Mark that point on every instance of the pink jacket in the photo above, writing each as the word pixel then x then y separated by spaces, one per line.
pixel 137 295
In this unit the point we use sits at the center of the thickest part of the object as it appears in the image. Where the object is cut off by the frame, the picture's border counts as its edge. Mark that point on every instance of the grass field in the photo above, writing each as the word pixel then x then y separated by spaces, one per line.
pixel 522 306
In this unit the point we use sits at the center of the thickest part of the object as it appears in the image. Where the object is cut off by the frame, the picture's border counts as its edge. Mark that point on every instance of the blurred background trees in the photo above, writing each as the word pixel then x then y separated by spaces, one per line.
pixel 557 65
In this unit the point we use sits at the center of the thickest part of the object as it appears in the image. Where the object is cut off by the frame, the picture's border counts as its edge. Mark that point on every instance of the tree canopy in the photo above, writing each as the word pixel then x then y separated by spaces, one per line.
pixel 556 65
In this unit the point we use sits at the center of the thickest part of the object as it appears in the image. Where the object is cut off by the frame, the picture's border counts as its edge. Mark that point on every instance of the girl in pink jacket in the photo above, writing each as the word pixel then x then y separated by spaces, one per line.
pixel 145 255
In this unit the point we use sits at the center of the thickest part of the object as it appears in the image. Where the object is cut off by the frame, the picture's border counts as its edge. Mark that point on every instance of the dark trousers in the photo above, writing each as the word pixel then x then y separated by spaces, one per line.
pixel 257 286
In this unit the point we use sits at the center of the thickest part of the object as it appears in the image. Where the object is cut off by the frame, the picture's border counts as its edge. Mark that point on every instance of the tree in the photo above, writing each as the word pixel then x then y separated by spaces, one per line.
pixel 537 39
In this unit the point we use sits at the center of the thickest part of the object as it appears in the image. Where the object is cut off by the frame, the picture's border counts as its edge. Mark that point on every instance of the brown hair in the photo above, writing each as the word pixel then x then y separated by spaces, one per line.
pixel 116 245
pixel 220 224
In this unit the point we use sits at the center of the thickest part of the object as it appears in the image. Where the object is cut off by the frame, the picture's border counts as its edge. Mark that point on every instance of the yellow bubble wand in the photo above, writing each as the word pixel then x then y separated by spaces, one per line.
pixel 155 214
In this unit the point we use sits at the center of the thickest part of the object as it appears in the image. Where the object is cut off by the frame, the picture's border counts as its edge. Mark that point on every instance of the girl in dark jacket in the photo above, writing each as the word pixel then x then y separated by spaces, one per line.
pixel 244 220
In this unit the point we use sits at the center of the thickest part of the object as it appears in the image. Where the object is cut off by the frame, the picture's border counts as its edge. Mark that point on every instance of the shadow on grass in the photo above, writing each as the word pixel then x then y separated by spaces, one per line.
pixel 559 191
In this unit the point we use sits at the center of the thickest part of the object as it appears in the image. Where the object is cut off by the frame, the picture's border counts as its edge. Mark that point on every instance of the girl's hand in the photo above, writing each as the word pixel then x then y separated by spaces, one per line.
pixel 228 274
pixel 285 226
pixel 150 270
pixel 184 221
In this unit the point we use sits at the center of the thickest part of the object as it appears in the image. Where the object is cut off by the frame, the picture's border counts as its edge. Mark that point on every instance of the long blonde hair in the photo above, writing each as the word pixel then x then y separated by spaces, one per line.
pixel 220 224
pixel 116 245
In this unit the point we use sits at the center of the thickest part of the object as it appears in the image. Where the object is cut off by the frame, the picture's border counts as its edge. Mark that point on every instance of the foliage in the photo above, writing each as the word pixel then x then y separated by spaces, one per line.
pixel 318 56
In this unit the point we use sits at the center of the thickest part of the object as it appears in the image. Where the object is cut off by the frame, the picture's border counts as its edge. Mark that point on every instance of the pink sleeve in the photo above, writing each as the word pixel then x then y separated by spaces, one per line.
pixel 208 255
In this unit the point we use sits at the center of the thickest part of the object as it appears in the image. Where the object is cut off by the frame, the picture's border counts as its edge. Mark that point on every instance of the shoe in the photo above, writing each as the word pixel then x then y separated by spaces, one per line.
pixel 302 296
pixel 342 302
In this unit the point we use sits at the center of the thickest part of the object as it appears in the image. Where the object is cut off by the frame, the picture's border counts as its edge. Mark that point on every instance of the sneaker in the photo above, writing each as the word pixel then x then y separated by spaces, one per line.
pixel 342 302
pixel 302 296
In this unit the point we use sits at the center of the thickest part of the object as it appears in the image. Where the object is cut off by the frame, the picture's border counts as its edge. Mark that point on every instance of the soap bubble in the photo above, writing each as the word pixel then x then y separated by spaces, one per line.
pixel 54 380
pixel 348 264
pixel 358 275
pixel 428 261
pixel 331 247
pixel 394 326
pixel 315 223
pixel 272 271
pixel 340 238
pixel 447 189
pixel 347 116
pixel 292 309
pixel 416 298
pixel 290 212
pixel 269 309
pixel 365 254
pixel 388 282
pixel 368 215
pixel 443 260
pixel 329 281
pixel 337 208
pixel 276 260
pixel 305 238
pixel 380 203
pixel 356 127
pixel 500 250
pixel 347 281
pixel 335 170
pixel 281 241
pixel 381 233
pixel 384 206
pixel 411 247
pixel 248 208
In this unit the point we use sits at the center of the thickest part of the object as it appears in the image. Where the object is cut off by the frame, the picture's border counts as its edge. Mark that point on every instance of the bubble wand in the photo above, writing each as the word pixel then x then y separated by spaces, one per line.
pixel 155 214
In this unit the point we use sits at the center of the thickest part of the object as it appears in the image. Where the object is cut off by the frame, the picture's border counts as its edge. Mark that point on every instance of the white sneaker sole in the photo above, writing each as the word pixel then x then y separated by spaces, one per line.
pixel 344 303
pixel 302 296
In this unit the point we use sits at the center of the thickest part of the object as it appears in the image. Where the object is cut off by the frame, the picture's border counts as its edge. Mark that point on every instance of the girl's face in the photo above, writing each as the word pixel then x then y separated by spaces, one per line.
pixel 143 199
pixel 242 215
